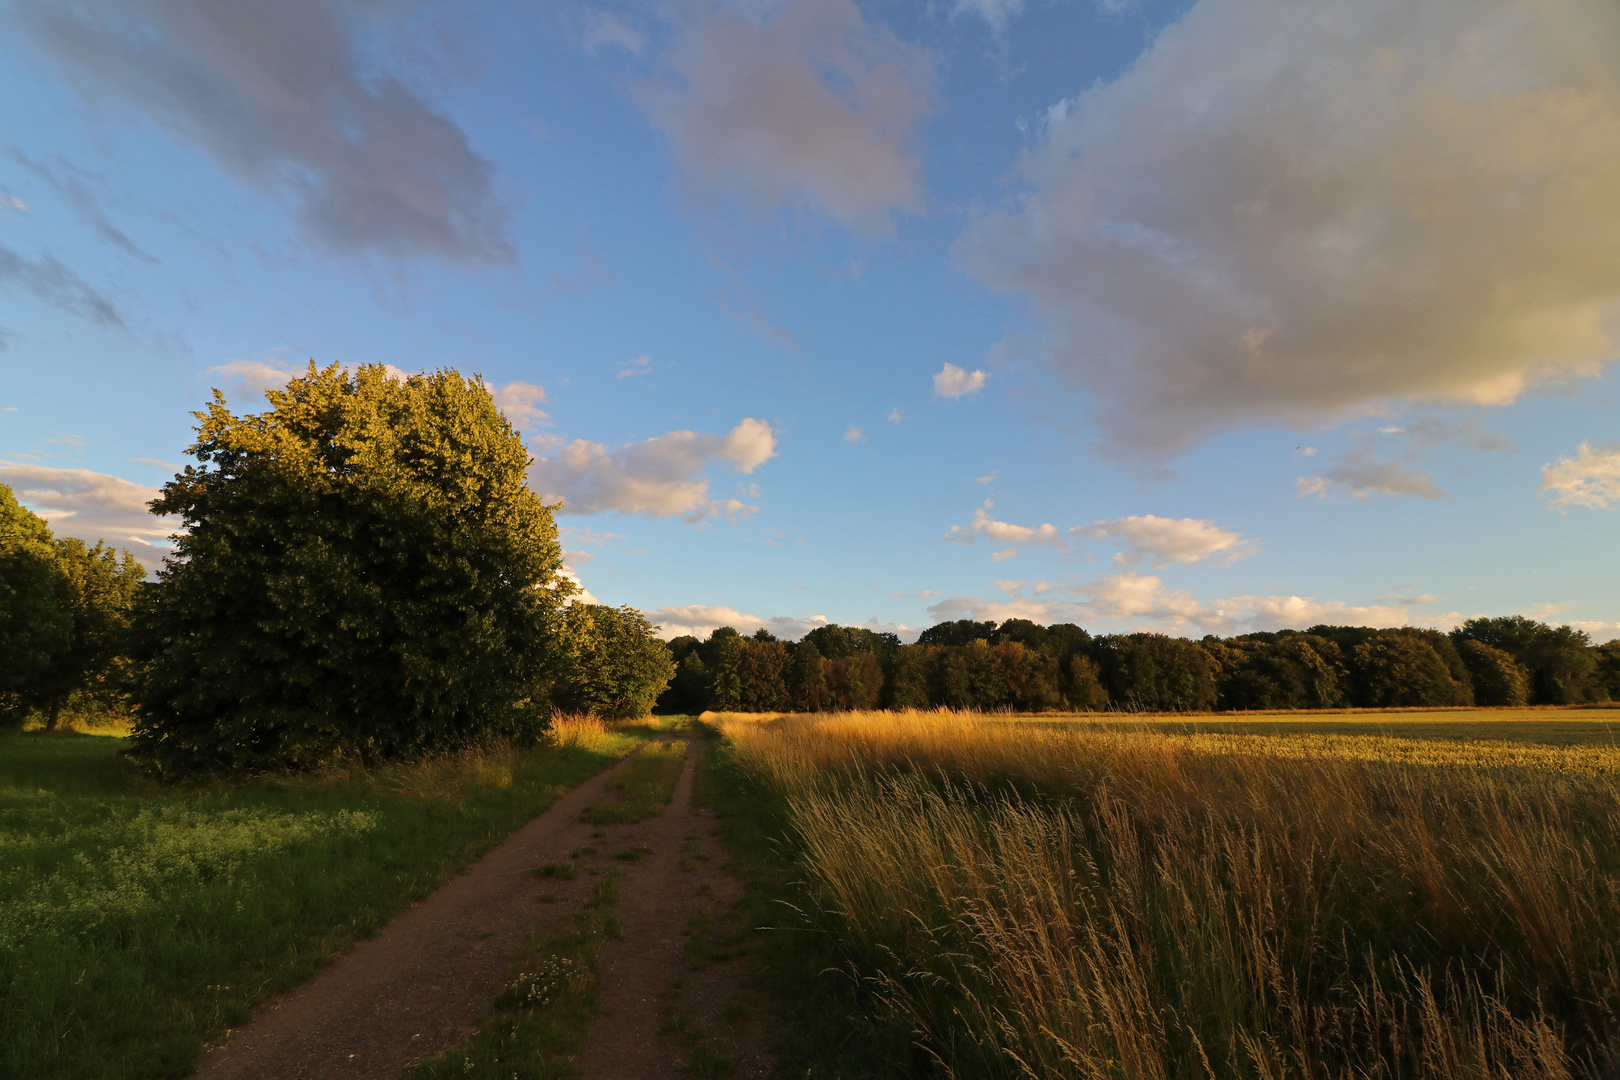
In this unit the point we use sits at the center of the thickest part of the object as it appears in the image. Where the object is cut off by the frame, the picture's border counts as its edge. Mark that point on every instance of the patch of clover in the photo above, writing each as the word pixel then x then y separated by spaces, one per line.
pixel 544 983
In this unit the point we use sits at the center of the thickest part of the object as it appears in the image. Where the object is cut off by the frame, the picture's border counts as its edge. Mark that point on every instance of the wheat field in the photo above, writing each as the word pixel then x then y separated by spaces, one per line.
pixel 1137 901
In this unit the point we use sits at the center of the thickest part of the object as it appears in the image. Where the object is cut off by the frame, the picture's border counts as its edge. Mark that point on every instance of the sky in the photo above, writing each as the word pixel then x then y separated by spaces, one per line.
pixel 1206 317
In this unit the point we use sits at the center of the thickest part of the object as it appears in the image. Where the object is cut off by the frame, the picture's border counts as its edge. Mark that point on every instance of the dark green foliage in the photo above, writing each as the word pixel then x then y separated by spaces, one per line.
pixel 34 628
pixel 1562 664
pixel 1024 667
pixel 611 663
pixel 836 642
pixel 1396 669
pixel 64 616
pixel 1155 673
pixel 1498 678
pixel 960 632
pixel 365 572
pixel 809 689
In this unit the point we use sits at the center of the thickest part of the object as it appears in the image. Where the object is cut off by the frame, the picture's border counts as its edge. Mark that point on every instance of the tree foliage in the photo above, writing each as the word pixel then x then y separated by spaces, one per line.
pixel 364 572
pixel 611 664
pixel 1022 666
pixel 64 614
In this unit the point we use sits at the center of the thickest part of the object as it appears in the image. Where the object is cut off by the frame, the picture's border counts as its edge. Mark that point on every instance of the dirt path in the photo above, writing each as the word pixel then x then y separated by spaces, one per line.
pixel 667 1001
pixel 421 984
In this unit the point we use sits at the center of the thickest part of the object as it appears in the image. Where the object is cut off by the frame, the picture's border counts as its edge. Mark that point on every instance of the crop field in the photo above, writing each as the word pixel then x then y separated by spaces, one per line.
pixel 1393 895
pixel 139 922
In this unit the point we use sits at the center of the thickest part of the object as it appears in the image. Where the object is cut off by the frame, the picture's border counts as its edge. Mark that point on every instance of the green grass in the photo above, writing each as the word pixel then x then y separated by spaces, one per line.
pixel 137 923
pixel 643 787
pixel 823 1022
pixel 543 1015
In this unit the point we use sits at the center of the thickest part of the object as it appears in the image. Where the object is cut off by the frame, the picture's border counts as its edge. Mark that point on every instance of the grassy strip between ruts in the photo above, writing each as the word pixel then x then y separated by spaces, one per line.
pixel 137 923
pixel 644 786
pixel 543 1015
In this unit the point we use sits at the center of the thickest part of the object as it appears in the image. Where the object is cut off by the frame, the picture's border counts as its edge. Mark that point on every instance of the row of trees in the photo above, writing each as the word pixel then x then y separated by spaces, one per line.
pixel 64 618
pixel 1023 666
pixel 363 572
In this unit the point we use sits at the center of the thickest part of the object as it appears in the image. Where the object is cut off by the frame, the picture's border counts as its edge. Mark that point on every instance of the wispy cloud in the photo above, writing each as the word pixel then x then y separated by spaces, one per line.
pixel 285 96
pixel 58 286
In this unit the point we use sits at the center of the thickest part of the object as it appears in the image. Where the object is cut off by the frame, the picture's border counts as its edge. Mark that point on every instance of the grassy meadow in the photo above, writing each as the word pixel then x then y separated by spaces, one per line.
pixel 1388 895
pixel 138 922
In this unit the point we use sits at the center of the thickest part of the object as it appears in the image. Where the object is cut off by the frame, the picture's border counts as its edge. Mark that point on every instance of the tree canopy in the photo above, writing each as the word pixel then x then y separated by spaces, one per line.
pixel 363 571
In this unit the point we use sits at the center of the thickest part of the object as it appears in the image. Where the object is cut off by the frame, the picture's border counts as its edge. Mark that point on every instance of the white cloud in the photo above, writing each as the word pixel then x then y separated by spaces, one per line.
pixel 987 478
pixel 1600 631
pixel 1002 532
pixel 1292 213
pixel 1591 479
pixel 797 101
pixel 954 382
pixel 603 28
pixel 1131 601
pixel 661 477
pixel 854 434
pixel 895 415
pixel 700 620
pixel 521 401
pixel 287 96
pixel 94 506
pixel 1188 541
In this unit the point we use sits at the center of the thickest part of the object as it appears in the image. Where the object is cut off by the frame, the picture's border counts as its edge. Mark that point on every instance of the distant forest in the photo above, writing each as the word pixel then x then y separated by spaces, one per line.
pixel 1020 665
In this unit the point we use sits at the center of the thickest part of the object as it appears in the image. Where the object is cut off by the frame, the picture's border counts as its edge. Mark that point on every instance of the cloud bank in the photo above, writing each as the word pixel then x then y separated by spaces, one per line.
pixel 701 620
pixel 796 101
pixel 1291 213
pixel 279 95
pixel 661 477
pixel 93 506
pixel 1132 601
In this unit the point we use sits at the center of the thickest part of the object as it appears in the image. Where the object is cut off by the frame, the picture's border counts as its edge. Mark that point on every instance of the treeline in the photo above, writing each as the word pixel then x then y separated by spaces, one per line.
pixel 1020 665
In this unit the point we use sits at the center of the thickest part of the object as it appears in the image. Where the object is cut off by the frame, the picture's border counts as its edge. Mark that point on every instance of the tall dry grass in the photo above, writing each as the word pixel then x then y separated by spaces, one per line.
pixel 1124 903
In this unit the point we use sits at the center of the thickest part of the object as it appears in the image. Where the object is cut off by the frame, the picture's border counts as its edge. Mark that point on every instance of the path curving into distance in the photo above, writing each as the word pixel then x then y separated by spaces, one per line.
pixel 421 984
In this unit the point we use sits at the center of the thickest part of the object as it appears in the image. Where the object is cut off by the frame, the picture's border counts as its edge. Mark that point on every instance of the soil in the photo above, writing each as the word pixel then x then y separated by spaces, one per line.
pixel 421 984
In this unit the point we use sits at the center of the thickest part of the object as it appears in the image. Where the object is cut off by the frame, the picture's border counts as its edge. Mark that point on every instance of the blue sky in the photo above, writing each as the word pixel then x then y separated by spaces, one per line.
pixel 1199 318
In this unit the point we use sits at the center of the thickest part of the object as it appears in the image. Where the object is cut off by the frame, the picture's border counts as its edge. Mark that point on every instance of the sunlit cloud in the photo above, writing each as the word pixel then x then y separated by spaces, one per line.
pixel 1334 211
pixel 954 382
pixel 94 506
pixel 1590 479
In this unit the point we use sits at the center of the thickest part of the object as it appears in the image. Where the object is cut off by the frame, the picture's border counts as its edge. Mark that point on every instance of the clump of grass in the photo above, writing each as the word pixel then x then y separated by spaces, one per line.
pixel 556 871
pixel 1134 904
pixel 544 1012
pixel 633 854
pixel 644 786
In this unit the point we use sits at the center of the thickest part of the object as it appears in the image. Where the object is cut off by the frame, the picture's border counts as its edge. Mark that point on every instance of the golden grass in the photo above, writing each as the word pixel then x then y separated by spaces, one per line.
pixel 1123 902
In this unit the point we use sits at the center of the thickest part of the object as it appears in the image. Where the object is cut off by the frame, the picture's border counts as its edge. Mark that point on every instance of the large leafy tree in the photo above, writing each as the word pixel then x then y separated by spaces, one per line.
pixel 363 572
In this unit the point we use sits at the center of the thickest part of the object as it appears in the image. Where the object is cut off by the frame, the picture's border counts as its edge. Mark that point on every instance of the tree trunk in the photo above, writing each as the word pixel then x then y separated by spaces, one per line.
pixel 56 710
